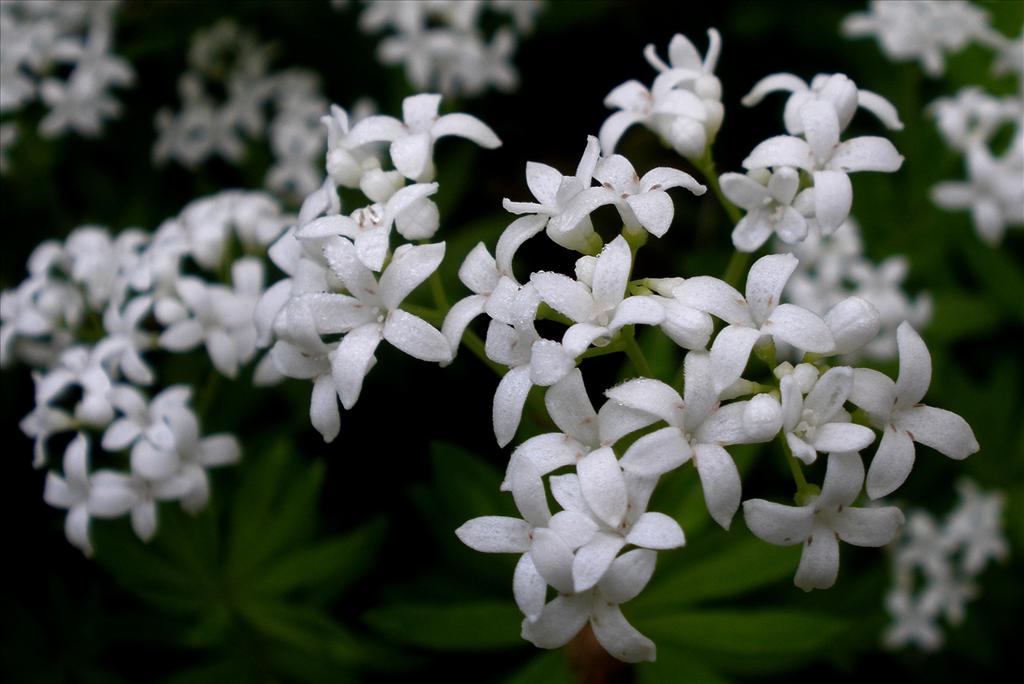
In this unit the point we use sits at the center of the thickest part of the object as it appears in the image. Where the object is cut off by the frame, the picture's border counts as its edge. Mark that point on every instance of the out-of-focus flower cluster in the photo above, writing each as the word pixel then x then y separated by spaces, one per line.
pixel 442 43
pixel 601 464
pixel 226 94
pixel 59 52
pixel 971 121
pixel 89 317
pixel 935 564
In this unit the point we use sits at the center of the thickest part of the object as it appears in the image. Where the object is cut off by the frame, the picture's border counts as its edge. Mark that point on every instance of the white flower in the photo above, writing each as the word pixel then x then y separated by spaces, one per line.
pixel 976 525
pixel 760 314
pixel 924 30
pixel 80 367
pixel 599 308
pixel 818 422
pixel 144 420
pixel 641 202
pixel 369 228
pixel 412 139
pixel 122 348
pixel 896 409
pixel 697 428
pixel 555 194
pixel 71 492
pixel 566 615
pixel 836 90
pixel 346 163
pixel 994 191
pixel 827 159
pixel 683 105
pixel 914 621
pixel 770 200
pixel 371 313
pixel 823 521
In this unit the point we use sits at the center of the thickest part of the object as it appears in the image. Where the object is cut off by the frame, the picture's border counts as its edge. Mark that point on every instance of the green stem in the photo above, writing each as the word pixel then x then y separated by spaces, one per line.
pixel 736 268
pixel 802 487
pixel 437 289
pixel 706 165
pixel 208 394
pixel 635 353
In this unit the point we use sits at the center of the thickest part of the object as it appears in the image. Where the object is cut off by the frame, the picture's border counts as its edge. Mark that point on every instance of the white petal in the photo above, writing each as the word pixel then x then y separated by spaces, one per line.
pixel 833 197
pixel 411 155
pixel 915 367
pixel 351 361
pixel 153 463
pixel 560 621
pixel 730 352
pixel 821 127
pixel 829 394
pixel 715 297
pixel 579 209
pixel 509 399
pixel 323 408
pixel 639 310
pixel 466 126
pixel 752 231
pixel 656 531
pixel 613 128
pixel 416 337
pixel 653 210
pixel 819 563
pixel 144 520
pixel 528 587
pixel 553 559
pixel 565 295
pixel 743 191
pixel 881 108
pixel 111 495
pixel 182 336
pixel 792 226
pixel 603 485
pixel 121 433
pixel 892 463
pixel 765 282
pixel 843 479
pixel 771 84
pixel 575 528
pixel 778 524
pixel 578 338
pixel 549 362
pixel 685 325
pixel 478 271
pixel 611 274
pixel 867 153
pixel 547 452
pixel 628 575
pixel 459 317
pixel 762 418
pixel 618 637
pixel 409 267
pixel 839 437
pixel 76 529
pixel 657 453
pixel 495 534
pixel 651 396
pixel 869 526
pixel 942 430
pixel 874 392
pixel 782 150
pixel 853 323
pixel 615 421
pixel 517 232
pixel 375 129
pixel 569 406
pixel 593 560
pixel 799 327
pixel 720 481
pixel 528 492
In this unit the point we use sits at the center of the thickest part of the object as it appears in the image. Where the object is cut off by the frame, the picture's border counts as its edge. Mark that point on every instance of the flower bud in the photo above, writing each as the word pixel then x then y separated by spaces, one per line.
pixel 854 322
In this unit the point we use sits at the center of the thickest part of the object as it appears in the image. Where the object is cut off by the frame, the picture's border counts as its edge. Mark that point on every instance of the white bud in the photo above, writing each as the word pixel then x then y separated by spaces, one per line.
pixel 853 322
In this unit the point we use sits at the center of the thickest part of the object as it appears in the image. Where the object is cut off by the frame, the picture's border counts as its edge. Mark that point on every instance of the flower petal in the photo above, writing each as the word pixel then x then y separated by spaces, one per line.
pixel 776 523
pixel 782 150
pixel 656 531
pixel 892 463
pixel 866 153
pixel 495 534
pixel 819 563
pixel 942 430
pixel 657 453
pixel 868 526
pixel 410 266
pixel 729 354
pixel 528 587
pixel 618 637
pixel 558 623
pixel 465 126
pixel 323 408
pixel 593 560
pixel 509 399
pixel 650 396
pixel 833 197
pixel 603 485
pixel 628 575
pixel 352 360
pixel 715 297
pixel 416 337
pixel 563 294
pixel 570 408
pixel 799 327
pixel 653 210
pixel 720 481
pixel 553 559
pixel 915 367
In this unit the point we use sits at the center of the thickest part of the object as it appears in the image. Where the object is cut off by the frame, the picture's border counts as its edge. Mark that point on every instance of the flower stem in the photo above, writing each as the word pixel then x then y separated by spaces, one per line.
pixel 635 353
pixel 736 267
pixel 706 166
pixel 794 467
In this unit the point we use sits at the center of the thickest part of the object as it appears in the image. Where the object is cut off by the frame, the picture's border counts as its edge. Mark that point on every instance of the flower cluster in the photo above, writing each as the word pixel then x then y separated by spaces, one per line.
pixel 442 46
pixel 970 121
pixel 227 59
pixel 345 285
pixel 42 39
pixel 947 557
pixel 87 317
pixel 683 106
pixel 602 463
pixel 771 191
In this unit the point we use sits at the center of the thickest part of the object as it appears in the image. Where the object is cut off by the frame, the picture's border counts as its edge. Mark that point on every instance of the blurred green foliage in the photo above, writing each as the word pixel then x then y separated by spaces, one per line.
pixel 338 563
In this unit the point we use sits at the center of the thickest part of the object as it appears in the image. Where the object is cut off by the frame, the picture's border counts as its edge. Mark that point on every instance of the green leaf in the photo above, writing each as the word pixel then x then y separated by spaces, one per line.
pixel 999 273
pixel 472 626
pixel 337 562
pixel 740 567
pixel 755 641
pixel 466 485
pixel 551 668
pixel 959 315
